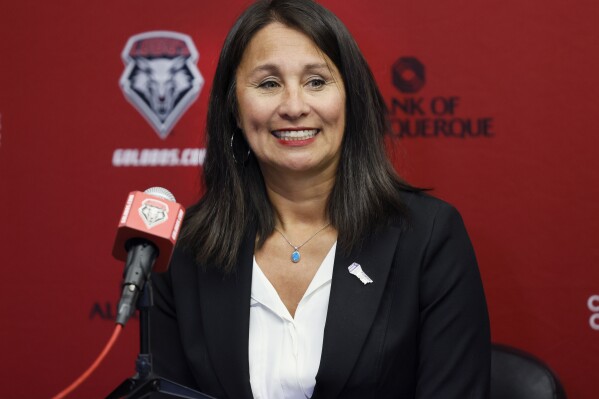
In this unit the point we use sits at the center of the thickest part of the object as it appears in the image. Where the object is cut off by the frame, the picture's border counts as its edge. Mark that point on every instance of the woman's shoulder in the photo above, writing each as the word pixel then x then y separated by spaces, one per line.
pixel 423 204
pixel 423 210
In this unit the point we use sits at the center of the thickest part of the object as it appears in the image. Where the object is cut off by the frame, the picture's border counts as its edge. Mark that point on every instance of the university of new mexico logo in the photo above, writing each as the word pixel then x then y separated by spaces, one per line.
pixel 153 212
pixel 161 78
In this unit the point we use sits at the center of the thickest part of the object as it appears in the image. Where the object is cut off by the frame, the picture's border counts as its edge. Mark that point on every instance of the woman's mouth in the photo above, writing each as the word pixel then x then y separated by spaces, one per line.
pixel 295 135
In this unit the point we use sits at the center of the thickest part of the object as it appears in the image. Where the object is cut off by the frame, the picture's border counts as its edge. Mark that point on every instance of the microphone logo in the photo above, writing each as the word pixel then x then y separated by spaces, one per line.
pixel 153 212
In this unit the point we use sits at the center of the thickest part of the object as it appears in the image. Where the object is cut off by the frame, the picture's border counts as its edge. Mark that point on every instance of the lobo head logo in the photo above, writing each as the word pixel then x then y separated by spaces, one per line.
pixel 161 78
pixel 408 74
pixel 593 305
pixel 153 212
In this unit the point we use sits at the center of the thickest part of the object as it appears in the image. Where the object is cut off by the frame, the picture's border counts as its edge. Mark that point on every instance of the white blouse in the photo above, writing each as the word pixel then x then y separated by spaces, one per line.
pixel 284 352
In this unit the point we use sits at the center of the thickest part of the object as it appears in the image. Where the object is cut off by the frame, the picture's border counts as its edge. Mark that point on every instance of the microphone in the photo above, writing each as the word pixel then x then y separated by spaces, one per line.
pixel 145 239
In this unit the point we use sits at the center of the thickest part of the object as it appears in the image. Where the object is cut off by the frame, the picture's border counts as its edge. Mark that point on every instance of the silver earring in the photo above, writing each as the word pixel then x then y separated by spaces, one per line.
pixel 233 152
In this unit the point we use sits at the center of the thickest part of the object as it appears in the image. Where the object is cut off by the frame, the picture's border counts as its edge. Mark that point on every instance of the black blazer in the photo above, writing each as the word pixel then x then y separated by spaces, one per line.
pixel 421 330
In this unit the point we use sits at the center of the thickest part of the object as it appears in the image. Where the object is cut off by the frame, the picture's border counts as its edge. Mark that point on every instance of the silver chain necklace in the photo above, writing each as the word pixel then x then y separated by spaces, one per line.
pixel 295 255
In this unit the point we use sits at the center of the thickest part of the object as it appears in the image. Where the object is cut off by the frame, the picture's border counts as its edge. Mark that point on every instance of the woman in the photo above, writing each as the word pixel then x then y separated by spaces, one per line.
pixel 308 268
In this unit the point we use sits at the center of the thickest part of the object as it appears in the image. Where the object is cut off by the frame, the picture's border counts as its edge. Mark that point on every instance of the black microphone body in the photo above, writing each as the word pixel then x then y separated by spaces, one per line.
pixel 141 255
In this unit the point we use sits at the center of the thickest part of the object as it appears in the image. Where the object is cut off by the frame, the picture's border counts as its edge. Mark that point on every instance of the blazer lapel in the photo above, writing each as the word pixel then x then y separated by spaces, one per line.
pixel 225 308
pixel 352 309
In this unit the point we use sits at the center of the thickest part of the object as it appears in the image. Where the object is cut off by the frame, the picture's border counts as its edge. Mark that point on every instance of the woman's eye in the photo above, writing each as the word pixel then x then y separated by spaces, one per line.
pixel 269 84
pixel 316 83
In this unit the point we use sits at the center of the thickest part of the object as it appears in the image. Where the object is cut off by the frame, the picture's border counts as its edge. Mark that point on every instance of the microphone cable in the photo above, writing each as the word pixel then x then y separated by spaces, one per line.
pixel 117 330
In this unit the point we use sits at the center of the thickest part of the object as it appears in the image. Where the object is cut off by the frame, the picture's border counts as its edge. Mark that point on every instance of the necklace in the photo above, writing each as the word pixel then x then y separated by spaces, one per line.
pixel 295 255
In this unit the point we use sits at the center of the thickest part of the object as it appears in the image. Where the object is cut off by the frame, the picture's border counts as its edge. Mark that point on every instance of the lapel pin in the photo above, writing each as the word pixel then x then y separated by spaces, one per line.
pixel 357 271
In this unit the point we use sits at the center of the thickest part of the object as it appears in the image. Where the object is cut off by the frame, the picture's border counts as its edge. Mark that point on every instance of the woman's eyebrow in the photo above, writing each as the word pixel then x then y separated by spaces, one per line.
pixel 265 68
pixel 311 67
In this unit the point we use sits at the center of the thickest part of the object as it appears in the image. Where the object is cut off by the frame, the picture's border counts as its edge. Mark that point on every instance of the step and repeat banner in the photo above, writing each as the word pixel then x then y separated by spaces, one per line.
pixel 492 104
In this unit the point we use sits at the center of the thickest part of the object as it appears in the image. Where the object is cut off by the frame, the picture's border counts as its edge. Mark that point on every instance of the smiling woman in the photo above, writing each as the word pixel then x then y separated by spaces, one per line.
pixel 309 268
pixel 291 104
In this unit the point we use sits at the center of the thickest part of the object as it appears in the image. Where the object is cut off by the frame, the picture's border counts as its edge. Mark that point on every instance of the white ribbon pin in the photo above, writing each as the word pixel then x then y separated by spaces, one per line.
pixel 357 271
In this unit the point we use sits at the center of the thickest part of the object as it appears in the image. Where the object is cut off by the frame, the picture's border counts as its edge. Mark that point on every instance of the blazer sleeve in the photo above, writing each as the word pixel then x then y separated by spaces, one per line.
pixel 454 340
pixel 168 358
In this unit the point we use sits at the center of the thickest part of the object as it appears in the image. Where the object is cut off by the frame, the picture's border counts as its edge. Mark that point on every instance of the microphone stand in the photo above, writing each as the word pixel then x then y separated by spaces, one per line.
pixel 146 382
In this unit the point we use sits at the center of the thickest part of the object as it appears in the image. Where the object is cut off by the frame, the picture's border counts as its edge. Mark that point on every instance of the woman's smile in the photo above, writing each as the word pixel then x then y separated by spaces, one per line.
pixel 295 137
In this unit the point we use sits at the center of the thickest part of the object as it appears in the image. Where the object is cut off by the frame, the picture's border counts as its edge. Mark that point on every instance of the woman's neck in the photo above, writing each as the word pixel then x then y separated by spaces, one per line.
pixel 299 200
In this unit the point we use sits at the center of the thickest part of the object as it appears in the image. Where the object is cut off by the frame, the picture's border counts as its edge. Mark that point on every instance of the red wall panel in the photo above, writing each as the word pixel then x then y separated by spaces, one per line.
pixel 527 189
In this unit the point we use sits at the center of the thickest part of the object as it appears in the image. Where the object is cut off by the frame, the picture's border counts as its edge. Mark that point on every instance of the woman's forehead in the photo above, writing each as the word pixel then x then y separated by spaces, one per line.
pixel 277 45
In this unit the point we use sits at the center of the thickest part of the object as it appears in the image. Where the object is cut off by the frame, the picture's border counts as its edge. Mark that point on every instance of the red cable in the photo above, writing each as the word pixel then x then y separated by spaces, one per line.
pixel 117 330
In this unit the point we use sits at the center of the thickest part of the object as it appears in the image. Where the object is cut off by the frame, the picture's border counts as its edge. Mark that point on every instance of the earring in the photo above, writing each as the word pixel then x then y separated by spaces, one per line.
pixel 247 156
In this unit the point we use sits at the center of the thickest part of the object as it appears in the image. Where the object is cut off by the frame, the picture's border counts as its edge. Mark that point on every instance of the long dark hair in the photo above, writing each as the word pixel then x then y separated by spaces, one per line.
pixel 367 191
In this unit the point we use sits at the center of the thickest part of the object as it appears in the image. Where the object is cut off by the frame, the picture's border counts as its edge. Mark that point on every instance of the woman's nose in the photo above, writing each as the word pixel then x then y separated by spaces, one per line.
pixel 293 104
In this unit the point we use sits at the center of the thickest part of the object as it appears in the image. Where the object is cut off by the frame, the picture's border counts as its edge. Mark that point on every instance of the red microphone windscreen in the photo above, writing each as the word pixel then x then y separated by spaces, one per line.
pixel 152 218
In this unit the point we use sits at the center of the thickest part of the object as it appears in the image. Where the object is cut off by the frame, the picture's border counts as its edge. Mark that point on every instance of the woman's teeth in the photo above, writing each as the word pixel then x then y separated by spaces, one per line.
pixel 295 135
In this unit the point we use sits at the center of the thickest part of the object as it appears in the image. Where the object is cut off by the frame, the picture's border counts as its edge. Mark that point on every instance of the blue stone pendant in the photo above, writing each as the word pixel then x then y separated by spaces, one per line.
pixel 295 256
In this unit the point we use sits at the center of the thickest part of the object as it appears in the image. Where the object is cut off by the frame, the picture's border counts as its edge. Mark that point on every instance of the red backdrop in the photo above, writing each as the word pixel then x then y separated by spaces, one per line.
pixel 495 108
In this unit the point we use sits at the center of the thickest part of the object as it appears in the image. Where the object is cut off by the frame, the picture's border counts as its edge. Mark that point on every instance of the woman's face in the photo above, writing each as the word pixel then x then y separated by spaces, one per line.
pixel 291 102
